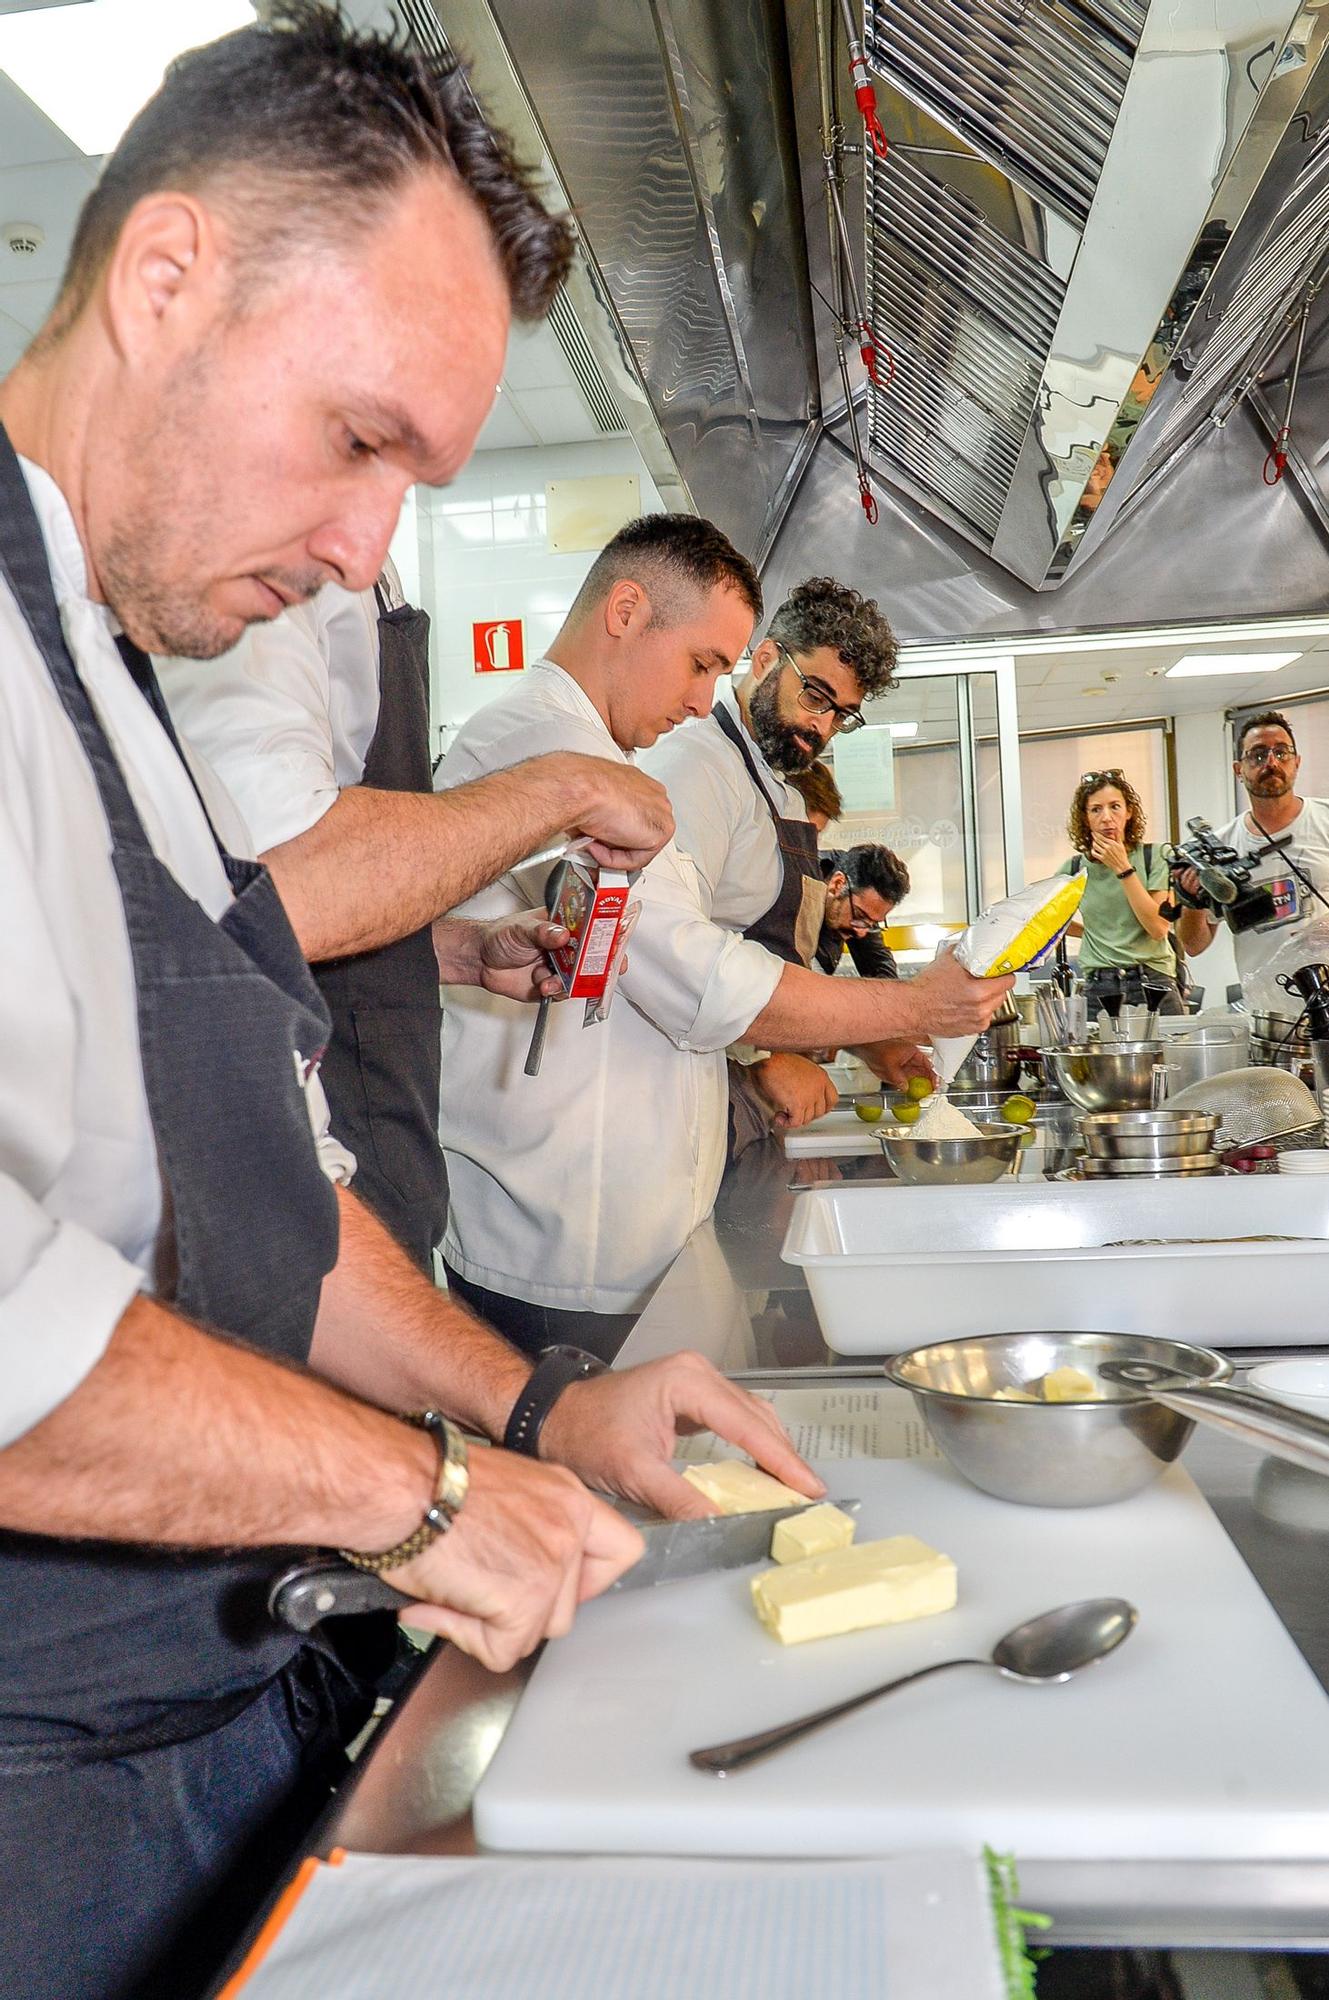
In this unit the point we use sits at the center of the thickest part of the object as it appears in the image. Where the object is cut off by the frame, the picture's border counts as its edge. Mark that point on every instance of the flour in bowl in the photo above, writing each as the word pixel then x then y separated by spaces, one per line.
pixel 939 1119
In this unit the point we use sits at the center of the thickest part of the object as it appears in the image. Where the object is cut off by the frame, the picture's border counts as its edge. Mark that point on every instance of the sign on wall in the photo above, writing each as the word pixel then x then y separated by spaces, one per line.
pixel 498 646
pixel 865 769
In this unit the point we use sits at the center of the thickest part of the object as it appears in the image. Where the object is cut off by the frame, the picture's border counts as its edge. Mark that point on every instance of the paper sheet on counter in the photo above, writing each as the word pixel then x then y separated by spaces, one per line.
pixel 833 1423
pixel 633 1929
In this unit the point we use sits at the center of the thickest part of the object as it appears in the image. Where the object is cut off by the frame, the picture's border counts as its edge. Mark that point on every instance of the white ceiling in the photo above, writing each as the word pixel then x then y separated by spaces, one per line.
pixel 44 179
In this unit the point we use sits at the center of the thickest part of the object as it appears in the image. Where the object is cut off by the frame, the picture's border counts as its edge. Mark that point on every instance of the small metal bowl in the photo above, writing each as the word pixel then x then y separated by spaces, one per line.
pixel 1148 1135
pixel 1107 1076
pixel 1176 1164
pixel 1050 1454
pixel 952 1162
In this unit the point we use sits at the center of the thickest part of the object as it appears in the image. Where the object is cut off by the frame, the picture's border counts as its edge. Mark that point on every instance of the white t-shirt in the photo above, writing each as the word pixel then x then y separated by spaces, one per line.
pixel 1307 841
pixel 286 718
pixel 80 1187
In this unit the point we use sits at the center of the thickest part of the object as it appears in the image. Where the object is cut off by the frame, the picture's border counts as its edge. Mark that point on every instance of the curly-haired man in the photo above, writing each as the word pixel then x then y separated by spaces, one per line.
pixel 827 649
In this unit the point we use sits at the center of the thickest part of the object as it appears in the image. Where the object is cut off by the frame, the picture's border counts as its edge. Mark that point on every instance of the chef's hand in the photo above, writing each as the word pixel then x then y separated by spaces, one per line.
pixel 625 815
pixel 1111 853
pixel 796 1090
pixel 896 1062
pixel 619 1432
pixel 513 958
pixel 527 1548
pixel 953 1001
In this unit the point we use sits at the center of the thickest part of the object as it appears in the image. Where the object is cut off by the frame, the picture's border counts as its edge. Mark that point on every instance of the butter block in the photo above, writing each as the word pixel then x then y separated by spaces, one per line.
pixel 1070 1385
pixel 1015 1396
pixel 872 1583
pixel 814 1532
pixel 734 1487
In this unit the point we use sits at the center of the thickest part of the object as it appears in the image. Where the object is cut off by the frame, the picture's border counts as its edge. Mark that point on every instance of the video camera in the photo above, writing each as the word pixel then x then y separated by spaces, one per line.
pixel 1225 879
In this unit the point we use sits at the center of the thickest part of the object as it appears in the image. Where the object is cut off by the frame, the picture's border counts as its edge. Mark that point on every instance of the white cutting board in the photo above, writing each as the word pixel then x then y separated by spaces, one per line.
pixel 839 1132
pixel 1206 1736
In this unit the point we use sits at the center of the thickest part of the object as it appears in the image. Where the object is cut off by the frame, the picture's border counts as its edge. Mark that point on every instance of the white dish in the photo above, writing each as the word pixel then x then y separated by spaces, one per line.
pixel 1302 1384
pixel 895 1267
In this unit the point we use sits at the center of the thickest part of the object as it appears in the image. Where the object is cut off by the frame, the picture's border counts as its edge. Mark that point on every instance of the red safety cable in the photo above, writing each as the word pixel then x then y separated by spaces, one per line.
pixel 1277 458
pixel 867 499
pixel 873 351
pixel 865 97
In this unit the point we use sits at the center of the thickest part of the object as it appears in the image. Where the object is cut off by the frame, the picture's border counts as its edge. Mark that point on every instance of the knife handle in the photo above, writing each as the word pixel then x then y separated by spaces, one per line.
pixel 309 1592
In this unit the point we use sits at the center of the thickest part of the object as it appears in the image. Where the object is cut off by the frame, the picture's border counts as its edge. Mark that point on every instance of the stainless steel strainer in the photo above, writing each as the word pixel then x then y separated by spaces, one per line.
pixel 1256 1107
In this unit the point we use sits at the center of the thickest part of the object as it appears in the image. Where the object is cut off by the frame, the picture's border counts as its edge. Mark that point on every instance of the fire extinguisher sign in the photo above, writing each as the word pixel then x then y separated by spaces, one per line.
pixel 497 646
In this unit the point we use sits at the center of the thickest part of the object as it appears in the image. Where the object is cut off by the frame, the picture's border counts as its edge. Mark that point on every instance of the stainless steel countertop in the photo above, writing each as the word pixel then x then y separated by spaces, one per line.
pixel 730 1295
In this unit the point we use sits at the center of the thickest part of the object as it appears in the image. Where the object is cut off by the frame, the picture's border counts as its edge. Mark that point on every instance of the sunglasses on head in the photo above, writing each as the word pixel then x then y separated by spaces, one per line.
pixel 1114 776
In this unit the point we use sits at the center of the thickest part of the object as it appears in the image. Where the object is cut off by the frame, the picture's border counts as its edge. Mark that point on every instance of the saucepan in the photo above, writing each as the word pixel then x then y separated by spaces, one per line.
pixel 1149 1395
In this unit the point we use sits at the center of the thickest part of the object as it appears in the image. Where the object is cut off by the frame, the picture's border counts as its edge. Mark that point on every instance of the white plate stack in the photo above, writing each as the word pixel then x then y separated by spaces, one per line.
pixel 1305 1160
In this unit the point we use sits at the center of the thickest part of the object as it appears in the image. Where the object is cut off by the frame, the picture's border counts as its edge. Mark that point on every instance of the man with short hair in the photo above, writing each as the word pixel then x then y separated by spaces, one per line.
pixel 827 649
pixel 572 1191
pixel 1288 833
pixel 286 303
pixel 863 886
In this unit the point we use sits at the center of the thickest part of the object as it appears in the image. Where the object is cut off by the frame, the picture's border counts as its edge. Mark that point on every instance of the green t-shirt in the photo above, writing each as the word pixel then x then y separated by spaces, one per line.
pixel 1113 935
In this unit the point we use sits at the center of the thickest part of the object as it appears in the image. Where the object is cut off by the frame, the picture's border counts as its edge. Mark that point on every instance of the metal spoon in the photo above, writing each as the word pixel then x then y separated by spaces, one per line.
pixel 1051 1647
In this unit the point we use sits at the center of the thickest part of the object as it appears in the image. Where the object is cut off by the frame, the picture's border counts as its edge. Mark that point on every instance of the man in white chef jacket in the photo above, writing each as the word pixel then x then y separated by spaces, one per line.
pixel 572 1191
pixel 286 302
pixel 826 650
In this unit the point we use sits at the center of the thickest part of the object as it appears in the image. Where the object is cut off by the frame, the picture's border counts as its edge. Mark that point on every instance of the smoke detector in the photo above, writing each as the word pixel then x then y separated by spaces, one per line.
pixel 24 239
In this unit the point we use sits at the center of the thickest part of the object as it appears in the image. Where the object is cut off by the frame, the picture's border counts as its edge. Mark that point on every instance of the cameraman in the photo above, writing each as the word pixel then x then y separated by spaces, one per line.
pixel 1287 832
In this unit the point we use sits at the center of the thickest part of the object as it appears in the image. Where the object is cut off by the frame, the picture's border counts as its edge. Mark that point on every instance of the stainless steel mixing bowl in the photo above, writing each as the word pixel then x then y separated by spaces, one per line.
pixel 1106 1076
pixel 952 1162
pixel 1050 1454
pixel 1148 1135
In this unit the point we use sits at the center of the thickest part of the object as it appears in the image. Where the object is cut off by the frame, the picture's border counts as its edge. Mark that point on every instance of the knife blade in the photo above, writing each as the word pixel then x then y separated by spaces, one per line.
pixel 675 1550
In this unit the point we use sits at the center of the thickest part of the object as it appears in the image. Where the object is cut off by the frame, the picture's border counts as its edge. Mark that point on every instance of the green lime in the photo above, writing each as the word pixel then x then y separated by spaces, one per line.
pixel 908 1111
pixel 1018 1110
pixel 920 1087
pixel 868 1111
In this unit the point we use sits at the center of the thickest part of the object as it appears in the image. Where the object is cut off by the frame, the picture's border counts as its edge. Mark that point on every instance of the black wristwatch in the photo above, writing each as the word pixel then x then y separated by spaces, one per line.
pixel 556 1368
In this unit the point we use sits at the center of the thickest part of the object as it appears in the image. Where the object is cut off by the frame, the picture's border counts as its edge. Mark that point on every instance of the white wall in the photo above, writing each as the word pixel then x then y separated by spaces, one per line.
pixel 484 554
pixel 1204 786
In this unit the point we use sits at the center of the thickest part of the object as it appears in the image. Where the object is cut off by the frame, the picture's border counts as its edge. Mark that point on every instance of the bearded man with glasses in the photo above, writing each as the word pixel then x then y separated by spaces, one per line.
pixel 1288 833
pixel 827 649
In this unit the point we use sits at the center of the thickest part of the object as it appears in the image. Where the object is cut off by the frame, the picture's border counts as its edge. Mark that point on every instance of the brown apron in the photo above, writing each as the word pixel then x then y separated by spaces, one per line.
pixel 791 928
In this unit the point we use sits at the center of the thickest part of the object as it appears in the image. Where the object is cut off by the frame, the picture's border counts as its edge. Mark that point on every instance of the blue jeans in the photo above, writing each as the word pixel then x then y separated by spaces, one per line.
pixel 133 1879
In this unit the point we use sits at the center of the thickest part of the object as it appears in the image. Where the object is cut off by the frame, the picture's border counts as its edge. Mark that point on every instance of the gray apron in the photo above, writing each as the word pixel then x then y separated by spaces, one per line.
pixel 381 1070
pixel 121 1667
pixel 791 928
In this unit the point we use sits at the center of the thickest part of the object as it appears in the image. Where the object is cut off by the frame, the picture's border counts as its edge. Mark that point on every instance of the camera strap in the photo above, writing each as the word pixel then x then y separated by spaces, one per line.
pixel 1276 845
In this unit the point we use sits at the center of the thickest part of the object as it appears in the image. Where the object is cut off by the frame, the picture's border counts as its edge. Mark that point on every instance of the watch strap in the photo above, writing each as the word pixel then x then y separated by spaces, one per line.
pixel 556 1368
pixel 449 1496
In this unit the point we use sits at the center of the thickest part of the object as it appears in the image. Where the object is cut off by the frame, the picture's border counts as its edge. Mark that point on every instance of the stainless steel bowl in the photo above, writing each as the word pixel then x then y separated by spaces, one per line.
pixel 1148 1135
pixel 1106 1076
pixel 1092 1169
pixel 952 1162
pixel 1050 1454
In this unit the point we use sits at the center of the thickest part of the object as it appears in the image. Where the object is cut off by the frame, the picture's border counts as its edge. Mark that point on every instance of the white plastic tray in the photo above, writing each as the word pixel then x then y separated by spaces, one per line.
pixel 892 1268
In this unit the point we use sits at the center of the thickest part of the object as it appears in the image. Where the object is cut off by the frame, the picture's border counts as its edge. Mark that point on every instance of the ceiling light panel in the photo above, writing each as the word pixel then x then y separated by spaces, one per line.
pixel 123 47
pixel 1230 663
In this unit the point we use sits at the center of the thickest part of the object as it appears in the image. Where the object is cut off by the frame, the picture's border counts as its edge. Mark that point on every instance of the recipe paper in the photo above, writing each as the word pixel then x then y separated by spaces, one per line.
pixel 874 1422
pixel 633 1929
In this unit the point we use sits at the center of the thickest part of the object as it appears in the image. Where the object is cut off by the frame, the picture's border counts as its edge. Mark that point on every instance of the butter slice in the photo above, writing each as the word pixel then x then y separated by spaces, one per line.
pixel 814 1532
pixel 874 1583
pixel 734 1487
pixel 1070 1385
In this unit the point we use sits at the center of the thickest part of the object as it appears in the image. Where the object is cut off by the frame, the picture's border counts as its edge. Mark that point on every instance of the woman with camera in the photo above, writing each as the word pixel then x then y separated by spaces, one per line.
pixel 1126 950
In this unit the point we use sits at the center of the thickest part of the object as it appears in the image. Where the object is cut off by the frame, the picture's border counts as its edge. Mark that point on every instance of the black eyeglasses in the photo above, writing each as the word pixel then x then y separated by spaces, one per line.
pixel 1112 777
pixel 818 700
pixel 1269 753
pixel 860 919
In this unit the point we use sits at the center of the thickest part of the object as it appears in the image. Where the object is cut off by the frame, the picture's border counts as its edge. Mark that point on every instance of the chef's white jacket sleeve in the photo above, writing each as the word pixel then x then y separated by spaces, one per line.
pixel 62 1290
pixel 262 715
pixel 700 984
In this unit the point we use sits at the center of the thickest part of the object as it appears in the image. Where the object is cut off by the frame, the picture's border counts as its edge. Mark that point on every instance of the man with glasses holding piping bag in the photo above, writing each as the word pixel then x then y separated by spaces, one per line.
pixel 826 650
pixel 1285 834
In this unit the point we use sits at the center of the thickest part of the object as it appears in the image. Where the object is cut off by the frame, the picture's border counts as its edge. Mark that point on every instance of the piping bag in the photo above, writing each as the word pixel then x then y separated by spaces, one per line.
pixel 1008 937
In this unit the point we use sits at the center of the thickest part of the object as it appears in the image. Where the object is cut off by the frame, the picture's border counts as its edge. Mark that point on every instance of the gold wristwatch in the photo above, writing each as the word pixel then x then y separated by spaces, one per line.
pixel 449 1496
